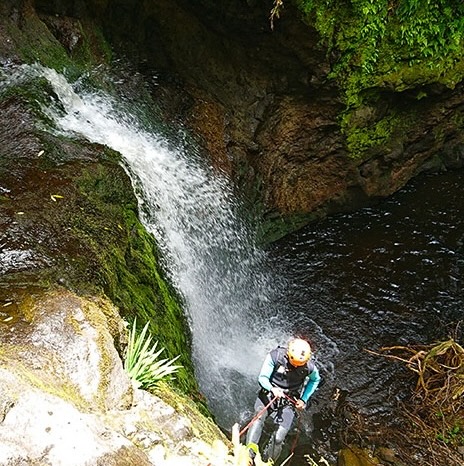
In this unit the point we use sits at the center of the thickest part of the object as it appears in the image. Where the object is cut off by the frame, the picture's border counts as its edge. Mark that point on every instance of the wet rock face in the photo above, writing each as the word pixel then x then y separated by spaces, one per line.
pixel 66 400
pixel 41 199
pixel 263 107
pixel 267 112
pixel 303 163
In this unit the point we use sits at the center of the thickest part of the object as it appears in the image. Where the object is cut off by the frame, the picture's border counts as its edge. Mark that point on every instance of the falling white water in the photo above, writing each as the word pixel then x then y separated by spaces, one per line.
pixel 208 252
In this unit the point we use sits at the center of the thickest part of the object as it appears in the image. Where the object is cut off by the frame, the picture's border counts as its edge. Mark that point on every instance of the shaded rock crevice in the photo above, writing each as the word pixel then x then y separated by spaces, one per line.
pixel 257 97
pixel 260 97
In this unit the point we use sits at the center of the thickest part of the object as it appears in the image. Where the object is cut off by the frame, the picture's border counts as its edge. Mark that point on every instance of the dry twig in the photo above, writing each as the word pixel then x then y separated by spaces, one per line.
pixel 438 409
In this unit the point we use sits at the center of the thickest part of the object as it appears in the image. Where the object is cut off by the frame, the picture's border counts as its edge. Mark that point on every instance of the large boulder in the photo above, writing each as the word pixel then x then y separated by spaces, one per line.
pixel 66 400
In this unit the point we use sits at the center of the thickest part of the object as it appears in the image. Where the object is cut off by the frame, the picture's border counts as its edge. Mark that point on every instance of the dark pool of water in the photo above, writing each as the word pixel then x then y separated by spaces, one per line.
pixel 386 275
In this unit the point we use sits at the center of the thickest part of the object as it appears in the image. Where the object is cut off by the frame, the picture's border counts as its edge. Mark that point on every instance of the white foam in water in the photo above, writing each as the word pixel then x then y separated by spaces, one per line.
pixel 208 251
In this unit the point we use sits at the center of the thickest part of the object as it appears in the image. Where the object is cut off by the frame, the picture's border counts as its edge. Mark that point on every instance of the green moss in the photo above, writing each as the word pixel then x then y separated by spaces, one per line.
pixel 361 139
pixel 93 49
pixel 33 92
pixel 35 42
pixel 128 267
pixel 383 45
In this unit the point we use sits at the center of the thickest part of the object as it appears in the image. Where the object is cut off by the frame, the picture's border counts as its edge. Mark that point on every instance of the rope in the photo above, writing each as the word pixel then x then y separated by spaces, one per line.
pixel 289 398
pixel 292 400
pixel 256 417
pixel 292 450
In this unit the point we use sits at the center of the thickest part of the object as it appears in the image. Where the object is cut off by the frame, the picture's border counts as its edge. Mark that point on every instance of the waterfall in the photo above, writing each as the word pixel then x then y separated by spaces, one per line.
pixel 208 251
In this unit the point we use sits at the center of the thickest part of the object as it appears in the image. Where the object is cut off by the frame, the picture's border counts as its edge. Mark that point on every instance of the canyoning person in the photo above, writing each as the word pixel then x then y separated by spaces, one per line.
pixel 289 377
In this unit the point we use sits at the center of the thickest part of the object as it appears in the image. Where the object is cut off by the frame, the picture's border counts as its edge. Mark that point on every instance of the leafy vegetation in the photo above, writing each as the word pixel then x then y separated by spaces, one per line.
pixel 142 361
pixel 436 408
pixel 389 45
pixel 374 38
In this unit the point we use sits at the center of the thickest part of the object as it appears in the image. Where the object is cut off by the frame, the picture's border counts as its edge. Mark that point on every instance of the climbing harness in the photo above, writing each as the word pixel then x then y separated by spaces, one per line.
pixel 260 413
pixel 263 411
pixel 257 416
pixel 292 450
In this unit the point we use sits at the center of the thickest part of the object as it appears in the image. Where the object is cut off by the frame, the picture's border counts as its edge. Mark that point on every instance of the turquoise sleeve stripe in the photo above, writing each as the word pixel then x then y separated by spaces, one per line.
pixel 311 385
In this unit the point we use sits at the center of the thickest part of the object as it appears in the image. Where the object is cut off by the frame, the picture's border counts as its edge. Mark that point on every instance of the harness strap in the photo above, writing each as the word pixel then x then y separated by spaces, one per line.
pixel 256 417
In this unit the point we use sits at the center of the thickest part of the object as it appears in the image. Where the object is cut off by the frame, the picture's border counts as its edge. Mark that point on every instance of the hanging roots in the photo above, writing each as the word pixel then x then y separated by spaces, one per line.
pixel 275 12
pixel 438 401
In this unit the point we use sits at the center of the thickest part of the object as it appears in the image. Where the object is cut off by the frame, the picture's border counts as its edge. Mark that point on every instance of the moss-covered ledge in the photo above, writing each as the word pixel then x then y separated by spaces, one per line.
pixel 70 236
pixel 70 216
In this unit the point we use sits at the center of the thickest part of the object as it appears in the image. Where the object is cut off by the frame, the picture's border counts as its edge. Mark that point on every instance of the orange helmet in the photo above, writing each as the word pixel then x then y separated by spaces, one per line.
pixel 299 352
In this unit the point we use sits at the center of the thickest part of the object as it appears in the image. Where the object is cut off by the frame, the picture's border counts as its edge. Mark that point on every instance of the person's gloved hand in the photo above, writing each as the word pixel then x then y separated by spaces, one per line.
pixel 300 405
pixel 277 392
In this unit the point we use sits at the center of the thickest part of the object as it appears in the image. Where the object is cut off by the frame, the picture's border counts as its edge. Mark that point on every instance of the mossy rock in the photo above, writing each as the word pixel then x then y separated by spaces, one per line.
pixel 355 456
pixel 63 43
pixel 71 206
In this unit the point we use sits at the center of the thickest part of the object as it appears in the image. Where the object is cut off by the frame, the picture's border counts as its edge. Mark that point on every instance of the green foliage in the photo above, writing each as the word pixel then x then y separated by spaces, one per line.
pixel 142 361
pixel 386 44
pixel 372 36
pixel 430 29
pixel 453 436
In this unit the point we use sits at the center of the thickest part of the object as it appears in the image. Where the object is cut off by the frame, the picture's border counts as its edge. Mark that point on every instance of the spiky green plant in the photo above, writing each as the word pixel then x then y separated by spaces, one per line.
pixel 142 361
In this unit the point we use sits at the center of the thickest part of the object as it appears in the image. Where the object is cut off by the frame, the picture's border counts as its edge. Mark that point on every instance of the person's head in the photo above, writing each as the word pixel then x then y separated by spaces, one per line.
pixel 298 352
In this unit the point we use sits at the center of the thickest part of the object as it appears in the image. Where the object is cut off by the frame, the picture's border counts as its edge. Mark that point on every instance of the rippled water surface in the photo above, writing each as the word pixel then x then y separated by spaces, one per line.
pixel 383 276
